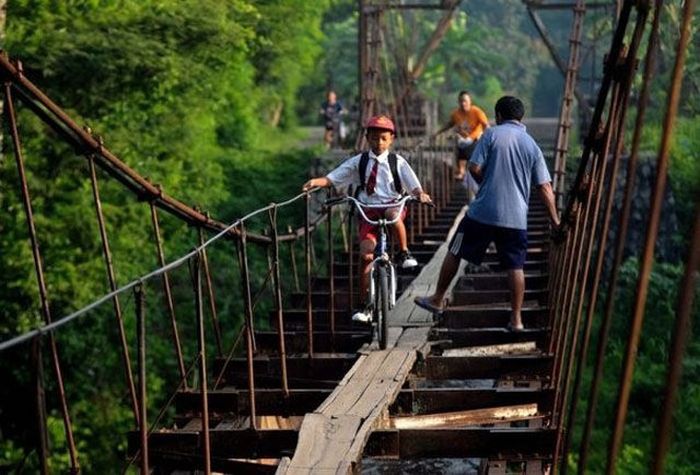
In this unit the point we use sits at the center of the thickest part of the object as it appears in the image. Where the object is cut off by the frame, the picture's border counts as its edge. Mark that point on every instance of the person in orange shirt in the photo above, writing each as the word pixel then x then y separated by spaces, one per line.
pixel 468 122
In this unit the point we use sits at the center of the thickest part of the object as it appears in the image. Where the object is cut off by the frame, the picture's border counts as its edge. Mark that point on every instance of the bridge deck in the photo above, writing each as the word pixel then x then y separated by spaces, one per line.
pixel 332 439
pixel 462 387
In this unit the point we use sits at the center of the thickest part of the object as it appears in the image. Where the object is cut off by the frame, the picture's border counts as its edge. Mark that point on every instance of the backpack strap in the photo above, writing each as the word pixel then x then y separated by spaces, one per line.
pixel 364 161
pixel 362 169
pixel 393 165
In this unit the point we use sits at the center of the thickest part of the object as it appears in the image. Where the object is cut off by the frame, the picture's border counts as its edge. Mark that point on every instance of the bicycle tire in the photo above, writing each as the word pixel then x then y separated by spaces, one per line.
pixel 383 307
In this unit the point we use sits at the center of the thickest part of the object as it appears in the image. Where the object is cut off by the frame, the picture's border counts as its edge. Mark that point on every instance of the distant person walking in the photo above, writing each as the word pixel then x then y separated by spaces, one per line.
pixel 331 110
pixel 505 162
pixel 468 122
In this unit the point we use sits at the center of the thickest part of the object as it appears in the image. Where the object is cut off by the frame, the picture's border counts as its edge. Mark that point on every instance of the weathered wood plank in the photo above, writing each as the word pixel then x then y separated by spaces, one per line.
pixel 347 394
pixel 406 312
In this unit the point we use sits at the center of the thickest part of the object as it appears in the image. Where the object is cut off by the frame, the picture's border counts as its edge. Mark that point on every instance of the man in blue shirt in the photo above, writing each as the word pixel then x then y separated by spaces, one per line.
pixel 505 162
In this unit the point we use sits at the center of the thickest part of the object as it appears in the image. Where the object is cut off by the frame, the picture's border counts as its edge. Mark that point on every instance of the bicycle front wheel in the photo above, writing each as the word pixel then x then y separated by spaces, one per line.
pixel 383 306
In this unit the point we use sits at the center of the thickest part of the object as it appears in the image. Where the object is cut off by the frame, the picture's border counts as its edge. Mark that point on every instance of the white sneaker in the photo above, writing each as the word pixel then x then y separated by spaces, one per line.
pixel 363 316
pixel 406 260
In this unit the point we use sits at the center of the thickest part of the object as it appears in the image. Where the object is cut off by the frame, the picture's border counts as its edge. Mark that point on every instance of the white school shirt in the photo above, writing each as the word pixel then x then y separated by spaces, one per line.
pixel 347 173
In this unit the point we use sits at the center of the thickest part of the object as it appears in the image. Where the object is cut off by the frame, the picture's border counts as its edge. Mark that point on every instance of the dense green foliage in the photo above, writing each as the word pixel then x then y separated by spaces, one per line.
pixel 191 94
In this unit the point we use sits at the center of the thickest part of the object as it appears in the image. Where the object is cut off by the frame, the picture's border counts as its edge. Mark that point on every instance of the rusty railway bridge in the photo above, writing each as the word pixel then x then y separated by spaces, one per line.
pixel 302 389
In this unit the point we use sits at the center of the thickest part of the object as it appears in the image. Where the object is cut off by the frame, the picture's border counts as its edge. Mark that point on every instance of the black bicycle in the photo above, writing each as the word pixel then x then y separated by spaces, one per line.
pixel 382 279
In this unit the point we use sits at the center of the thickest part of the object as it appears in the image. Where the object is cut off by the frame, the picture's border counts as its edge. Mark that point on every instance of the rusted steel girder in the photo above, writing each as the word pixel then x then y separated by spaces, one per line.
pixel 647 256
pixel 112 279
pixel 211 295
pixel 404 443
pixel 142 422
pixel 615 49
pixel 230 402
pixel 564 126
pixel 628 70
pixel 202 358
pixel 601 244
pixel 620 238
pixel 41 281
pixel 168 294
pixel 559 63
pixel 307 274
pixel 248 322
pixel 40 401
pixel 277 283
pixel 484 442
pixel 331 275
pixel 86 144
pixel 679 339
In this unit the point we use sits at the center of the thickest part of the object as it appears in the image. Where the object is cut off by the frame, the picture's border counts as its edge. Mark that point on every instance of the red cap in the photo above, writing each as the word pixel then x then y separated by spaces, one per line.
pixel 381 122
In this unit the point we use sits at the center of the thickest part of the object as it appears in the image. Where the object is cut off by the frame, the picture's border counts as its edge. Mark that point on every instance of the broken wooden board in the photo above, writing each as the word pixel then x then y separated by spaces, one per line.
pixel 527 347
pixel 489 415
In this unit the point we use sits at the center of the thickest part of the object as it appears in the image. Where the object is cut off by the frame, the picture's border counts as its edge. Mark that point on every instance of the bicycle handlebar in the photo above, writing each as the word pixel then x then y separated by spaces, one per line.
pixel 400 204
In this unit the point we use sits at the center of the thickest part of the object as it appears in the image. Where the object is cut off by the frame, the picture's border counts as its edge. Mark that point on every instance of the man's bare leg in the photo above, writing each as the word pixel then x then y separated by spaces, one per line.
pixel 461 169
pixel 516 282
pixel 450 266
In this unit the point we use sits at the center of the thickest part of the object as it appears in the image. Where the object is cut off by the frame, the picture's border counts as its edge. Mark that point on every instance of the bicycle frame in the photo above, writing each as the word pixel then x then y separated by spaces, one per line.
pixel 381 256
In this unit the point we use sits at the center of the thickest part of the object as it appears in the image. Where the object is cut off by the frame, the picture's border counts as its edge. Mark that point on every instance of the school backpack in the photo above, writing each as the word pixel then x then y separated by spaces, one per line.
pixel 393 165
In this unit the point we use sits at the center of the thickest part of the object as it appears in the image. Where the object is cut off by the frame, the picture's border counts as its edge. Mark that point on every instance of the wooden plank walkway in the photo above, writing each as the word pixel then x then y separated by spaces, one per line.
pixel 332 438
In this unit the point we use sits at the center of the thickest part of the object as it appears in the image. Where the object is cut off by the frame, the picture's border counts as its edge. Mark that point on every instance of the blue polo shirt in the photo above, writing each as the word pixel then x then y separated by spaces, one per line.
pixel 510 162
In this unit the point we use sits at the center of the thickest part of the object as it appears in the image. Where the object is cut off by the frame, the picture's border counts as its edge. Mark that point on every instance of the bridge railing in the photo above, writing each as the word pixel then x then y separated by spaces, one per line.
pixel 576 268
pixel 260 235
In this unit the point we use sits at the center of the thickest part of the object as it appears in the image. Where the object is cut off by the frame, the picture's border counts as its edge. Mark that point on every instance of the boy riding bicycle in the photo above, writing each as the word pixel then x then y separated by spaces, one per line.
pixel 381 177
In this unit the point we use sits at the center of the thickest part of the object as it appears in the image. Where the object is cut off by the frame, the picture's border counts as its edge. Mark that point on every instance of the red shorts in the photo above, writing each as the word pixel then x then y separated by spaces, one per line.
pixel 371 231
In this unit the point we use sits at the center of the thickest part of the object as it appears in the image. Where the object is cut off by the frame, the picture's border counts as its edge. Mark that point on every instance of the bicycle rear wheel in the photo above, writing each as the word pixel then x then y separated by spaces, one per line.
pixel 382 306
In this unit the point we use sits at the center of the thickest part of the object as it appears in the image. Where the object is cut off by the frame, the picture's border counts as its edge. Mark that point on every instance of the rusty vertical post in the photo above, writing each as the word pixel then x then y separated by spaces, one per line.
pixel 564 279
pixel 434 189
pixel 39 271
pixel 564 127
pixel 331 277
pixel 202 356
pixel 248 305
pixel 278 298
pixel 615 128
pixel 307 260
pixel 620 239
pixel 438 184
pixel 446 183
pixel 210 295
pixel 344 231
pixel 629 68
pixel 293 259
pixel 615 48
pixel 111 277
pixel 42 433
pixel 141 358
pixel 412 228
pixel 361 62
pixel 351 264
pixel 576 285
pixel 681 332
pixel 420 210
pixel 652 230
pixel 168 295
